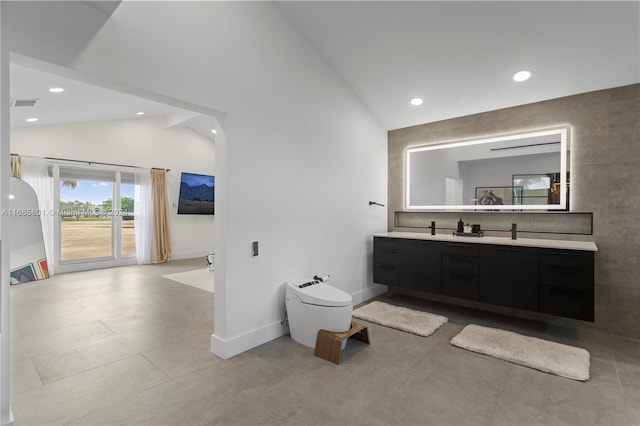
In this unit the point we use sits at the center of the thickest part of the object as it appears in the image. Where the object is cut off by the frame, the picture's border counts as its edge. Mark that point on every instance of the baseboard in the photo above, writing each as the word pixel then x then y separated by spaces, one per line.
pixel 12 420
pixel 93 265
pixel 369 293
pixel 226 348
pixel 190 254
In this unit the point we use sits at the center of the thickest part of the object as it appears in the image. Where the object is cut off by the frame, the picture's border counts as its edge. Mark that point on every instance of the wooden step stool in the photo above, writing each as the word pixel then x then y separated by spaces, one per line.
pixel 329 343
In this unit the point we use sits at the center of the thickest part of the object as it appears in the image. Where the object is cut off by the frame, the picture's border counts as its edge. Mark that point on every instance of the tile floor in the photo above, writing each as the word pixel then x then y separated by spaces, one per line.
pixel 125 346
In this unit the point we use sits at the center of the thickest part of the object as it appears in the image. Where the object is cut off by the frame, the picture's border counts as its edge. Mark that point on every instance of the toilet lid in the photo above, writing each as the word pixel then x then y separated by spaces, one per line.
pixel 320 294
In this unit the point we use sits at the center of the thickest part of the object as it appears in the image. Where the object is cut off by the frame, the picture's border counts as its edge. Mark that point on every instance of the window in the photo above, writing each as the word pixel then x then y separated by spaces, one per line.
pixel 96 214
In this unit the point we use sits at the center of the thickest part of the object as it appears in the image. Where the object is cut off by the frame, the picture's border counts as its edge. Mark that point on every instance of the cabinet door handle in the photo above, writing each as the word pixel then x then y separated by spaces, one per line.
pixel 392 251
pixel 566 291
pixel 564 253
pixel 461 277
pixel 507 249
pixel 563 268
pixel 425 243
pixel 461 259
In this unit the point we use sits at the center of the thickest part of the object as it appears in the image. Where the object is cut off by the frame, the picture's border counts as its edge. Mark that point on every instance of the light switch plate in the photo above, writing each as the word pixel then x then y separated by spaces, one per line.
pixel 254 248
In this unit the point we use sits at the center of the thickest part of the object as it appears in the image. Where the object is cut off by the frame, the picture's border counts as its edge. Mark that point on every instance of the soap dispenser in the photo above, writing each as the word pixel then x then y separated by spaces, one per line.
pixel 461 226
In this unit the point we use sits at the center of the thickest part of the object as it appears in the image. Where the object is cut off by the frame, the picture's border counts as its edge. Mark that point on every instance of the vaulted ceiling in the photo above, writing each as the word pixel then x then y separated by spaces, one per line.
pixel 458 56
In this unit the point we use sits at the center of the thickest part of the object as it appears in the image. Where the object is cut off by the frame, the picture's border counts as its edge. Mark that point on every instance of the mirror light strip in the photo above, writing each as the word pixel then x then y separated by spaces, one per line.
pixel 561 131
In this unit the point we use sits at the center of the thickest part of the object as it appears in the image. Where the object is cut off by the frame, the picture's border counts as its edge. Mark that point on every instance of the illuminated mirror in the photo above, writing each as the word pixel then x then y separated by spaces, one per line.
pixel 526 171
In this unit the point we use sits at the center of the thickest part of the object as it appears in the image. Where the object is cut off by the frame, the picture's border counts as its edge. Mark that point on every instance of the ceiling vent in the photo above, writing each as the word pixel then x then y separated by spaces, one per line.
pixel 24 102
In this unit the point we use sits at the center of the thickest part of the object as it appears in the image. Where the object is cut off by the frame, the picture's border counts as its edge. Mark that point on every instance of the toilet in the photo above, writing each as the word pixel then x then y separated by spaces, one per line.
pixel 313 305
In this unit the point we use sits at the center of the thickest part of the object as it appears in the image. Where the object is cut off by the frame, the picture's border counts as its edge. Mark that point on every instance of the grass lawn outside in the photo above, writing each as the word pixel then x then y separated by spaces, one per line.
pixel 91 237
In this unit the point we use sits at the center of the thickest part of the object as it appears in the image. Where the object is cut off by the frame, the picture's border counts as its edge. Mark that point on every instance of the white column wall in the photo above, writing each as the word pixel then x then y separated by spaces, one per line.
pixel 302 156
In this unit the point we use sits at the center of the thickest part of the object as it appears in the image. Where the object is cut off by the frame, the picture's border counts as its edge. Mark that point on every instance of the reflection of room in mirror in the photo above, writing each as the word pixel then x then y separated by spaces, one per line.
pixel 478 174
pixel 536 188
pixel 499 196
pixel 27 255
pixel 556 184
pixel 541 188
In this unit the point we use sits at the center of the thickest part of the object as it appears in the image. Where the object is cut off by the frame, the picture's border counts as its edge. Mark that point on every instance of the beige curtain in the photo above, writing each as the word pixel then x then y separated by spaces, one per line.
pixel 161 231
pixel 16 166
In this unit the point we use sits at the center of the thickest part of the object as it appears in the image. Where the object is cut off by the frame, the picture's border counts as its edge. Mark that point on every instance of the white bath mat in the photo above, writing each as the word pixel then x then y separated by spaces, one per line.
pixel 199 278
pixel 416 322
pixel 550 357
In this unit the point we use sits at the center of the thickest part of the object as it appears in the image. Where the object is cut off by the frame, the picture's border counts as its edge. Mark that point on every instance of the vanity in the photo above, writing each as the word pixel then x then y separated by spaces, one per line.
pixel 554 277
pixel 495 182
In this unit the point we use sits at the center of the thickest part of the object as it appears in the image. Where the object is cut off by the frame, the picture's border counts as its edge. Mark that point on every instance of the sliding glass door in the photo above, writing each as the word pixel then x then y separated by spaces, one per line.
pixel 86 228
pixel 95 220
pixel 128 239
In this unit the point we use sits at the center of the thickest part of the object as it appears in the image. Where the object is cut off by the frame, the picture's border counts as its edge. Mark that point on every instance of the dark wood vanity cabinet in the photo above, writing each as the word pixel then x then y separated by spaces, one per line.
pixel 460 270
pixel 553 281
pixel 566 283
pixel 509 276
pixel 420 266
pixel 386 261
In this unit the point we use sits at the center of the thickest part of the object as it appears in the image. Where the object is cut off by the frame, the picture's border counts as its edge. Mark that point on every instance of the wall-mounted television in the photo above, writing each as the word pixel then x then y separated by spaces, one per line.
pixel 197 194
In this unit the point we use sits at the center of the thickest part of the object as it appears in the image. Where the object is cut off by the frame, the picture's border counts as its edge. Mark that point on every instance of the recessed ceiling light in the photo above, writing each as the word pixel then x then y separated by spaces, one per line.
pixel 416 101
pixel 140 113
pixel 214 131
pixel 522 75
pixel 56 90
pixel 32 119
pixel 11 196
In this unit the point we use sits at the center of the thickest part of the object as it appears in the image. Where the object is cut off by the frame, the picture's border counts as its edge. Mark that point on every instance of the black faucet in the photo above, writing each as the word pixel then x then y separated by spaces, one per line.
pixel 513 231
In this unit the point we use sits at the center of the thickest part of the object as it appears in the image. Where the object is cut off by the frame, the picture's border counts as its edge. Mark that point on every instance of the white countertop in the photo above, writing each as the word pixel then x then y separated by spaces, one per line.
pixel 522 242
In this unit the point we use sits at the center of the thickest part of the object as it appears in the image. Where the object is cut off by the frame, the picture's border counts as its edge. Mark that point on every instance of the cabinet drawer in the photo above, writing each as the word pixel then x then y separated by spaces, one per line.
pixel 460 285
pixel 566 302
pixel 462 249
pixel 566 276
pixel 389 243
pixel 385 256
pixel 460 264
pixel 386 251
pixel 567 258
pixel 386 274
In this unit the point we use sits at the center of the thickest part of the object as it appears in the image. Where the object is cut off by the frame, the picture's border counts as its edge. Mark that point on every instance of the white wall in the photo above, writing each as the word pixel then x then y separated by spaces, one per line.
pixel 297 161
pixel 142 142
pixel 6 417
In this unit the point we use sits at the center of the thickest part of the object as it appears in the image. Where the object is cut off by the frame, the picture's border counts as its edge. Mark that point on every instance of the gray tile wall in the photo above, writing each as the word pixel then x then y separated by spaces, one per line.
pixel 605 180
pixel 564 225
